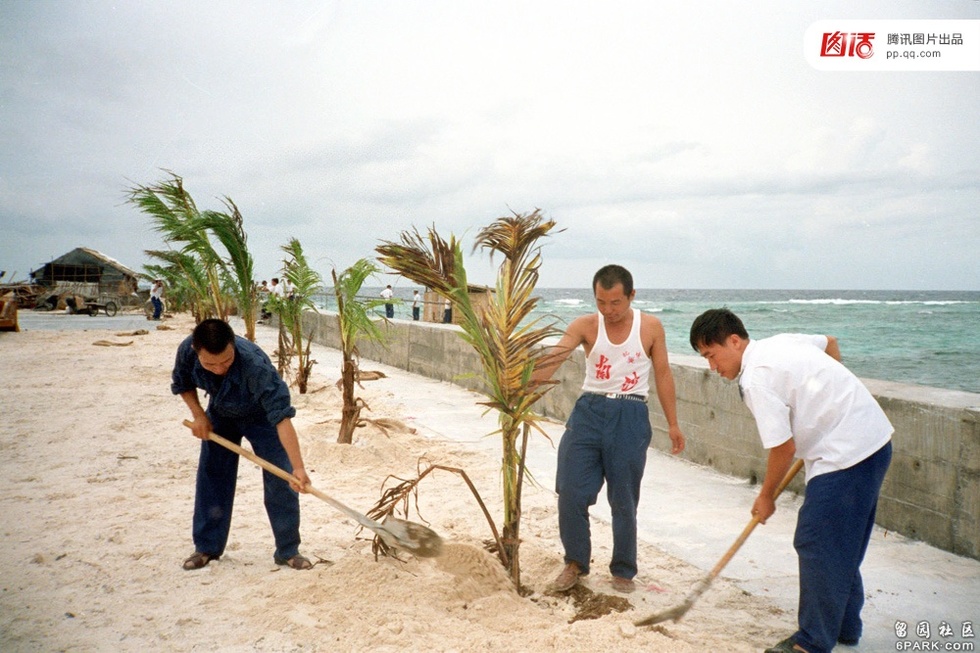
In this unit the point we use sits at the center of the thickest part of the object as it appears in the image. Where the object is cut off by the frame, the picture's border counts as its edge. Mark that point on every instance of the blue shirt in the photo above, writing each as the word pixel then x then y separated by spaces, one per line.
pixel 251 391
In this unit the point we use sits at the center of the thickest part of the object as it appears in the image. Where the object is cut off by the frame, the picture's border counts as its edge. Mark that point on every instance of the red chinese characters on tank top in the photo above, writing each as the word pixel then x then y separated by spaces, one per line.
pixel 620 369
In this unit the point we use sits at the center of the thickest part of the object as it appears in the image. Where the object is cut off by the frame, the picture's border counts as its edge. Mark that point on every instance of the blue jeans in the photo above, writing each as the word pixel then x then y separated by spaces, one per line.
pixel 832 534
pixel 157 307
pixel 217 474
pixel 389 310
pixel 605 440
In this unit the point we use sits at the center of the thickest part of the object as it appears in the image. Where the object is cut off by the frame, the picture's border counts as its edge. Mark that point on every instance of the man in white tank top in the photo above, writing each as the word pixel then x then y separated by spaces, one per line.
pixel 608 433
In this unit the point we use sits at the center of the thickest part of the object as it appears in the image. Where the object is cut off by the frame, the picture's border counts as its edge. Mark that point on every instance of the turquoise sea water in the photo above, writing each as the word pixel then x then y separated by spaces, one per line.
pixel 924 337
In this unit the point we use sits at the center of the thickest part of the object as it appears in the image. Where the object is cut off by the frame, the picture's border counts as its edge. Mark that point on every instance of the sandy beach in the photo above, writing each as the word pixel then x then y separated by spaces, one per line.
pixel 97 494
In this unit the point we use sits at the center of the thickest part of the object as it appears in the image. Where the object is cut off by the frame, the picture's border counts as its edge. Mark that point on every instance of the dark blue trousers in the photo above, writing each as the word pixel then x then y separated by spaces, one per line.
pixel 832 534
pixel 217 476
pixel 605 440
pixel 157 307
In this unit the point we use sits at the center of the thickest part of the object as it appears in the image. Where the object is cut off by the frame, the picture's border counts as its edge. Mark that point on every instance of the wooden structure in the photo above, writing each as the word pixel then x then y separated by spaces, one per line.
pixel 434 306
pixel 86 272
pixel 8 312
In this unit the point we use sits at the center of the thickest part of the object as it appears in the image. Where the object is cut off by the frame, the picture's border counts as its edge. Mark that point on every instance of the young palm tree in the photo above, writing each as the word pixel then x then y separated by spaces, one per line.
pixel 239 267
pixel 212 276
pixel 509 349
pixel 306 282
pixel 354 322
pixel 176 217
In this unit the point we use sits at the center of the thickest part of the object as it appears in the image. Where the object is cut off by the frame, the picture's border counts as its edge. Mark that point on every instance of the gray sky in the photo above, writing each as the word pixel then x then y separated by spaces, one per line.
pixel 689 141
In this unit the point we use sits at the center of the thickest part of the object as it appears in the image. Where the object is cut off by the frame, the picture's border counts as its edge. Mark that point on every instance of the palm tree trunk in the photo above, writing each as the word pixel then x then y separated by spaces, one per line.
pixel 348 420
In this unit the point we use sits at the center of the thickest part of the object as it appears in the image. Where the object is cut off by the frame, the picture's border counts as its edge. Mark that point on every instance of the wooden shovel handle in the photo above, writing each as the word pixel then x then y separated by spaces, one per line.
pixel 733 549
pixel 245 453
pixel 289 478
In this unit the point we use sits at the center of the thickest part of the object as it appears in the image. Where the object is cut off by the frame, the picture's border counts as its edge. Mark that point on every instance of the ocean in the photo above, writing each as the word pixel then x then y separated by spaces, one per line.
pixel 923 337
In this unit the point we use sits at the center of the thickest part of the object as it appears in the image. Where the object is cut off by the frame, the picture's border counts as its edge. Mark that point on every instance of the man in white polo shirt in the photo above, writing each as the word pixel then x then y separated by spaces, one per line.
pixel 807 405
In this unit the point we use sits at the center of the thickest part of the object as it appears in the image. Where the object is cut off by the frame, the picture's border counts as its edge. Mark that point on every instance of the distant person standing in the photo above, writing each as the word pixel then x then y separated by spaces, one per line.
pixel 276 289
pixel 387 294
pixel 156 298
pixel 416 306
pixel 263 296
pixel 807 405
pixel 447 312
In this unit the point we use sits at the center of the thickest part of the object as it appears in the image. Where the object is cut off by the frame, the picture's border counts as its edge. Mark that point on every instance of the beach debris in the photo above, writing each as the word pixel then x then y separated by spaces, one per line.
pixel 364 375
pixel 137 332
pixel 110 343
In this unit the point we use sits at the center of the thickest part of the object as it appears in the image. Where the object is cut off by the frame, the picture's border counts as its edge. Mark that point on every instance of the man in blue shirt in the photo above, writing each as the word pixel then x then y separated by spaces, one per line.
pixel 247 398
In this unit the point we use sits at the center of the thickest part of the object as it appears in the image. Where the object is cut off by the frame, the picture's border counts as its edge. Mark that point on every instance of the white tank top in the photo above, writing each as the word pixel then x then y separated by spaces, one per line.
pixel 620 369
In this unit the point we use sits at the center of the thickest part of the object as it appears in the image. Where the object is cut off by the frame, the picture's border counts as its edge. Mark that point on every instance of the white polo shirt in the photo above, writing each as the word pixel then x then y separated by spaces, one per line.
pixel 795 390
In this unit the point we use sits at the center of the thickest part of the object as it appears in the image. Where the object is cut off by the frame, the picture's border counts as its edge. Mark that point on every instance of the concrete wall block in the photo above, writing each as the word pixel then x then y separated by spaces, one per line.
pixel 915 522
pixel 930 485
pixel 969 453
pixel 966 518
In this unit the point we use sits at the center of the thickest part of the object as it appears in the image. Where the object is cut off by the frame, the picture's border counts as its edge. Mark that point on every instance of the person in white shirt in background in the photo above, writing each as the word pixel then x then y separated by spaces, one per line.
pixel 386 294
pixel 416 306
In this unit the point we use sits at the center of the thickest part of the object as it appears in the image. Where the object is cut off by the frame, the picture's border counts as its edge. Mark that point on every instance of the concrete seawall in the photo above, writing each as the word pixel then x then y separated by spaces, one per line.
pixel 931 493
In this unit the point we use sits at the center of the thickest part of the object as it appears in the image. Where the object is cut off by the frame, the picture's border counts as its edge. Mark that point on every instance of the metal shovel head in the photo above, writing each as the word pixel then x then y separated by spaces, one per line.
pixel 671 614
pixel 675 613
pixel 415 538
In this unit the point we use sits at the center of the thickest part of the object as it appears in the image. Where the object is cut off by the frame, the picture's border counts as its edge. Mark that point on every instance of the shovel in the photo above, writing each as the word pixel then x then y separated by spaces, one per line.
pixel 678 611
pixel 397 533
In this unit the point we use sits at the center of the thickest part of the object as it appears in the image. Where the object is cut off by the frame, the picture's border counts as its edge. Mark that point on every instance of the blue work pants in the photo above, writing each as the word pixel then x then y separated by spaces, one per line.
pixel 217 475
pixel 605 440
pixel 832 534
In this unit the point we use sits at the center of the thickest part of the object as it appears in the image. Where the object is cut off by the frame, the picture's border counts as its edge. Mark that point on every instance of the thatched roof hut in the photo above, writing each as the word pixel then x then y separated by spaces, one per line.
pixel 87 272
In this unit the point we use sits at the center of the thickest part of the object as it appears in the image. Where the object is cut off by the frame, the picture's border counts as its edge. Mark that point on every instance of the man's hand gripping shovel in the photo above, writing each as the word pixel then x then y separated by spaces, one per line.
pixel 408 536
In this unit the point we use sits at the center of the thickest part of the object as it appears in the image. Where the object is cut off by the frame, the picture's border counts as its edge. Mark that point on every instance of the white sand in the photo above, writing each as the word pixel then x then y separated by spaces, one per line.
pixel 96 496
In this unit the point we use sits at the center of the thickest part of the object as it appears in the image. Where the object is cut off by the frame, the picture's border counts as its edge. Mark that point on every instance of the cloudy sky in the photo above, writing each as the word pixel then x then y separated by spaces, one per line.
pixel 689 141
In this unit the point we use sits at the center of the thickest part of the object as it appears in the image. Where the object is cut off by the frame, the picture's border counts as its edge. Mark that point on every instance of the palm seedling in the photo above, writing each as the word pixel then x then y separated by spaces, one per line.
pixel 508 344
pixel 306 282
pixel 209 277
pixel 354 321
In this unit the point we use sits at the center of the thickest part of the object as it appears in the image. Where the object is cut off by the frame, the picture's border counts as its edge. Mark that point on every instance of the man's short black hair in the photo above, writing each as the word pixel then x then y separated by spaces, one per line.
pixel 714 326
pixel 609 275
pixel 213 336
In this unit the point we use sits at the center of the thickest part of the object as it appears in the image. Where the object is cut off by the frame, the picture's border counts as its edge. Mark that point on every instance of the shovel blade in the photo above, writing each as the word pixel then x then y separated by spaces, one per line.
pixel 671 614
pixel 415 538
